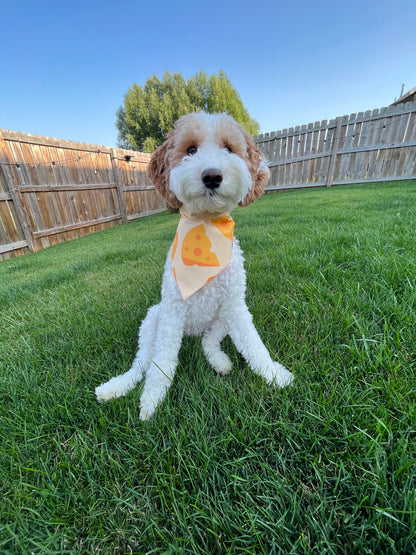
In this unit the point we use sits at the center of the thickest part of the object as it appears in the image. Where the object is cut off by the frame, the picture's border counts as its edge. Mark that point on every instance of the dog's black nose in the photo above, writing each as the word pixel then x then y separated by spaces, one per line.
pixel 212 178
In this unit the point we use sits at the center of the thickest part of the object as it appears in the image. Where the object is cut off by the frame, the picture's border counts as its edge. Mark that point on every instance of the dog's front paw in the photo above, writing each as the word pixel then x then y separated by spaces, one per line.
pixel 146 410
pixel 221 364
pixel 116 387
pixel 278 375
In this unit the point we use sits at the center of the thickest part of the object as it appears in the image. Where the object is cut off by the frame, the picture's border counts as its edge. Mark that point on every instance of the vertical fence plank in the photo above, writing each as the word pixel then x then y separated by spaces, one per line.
pixel 334 150
pixel 116 176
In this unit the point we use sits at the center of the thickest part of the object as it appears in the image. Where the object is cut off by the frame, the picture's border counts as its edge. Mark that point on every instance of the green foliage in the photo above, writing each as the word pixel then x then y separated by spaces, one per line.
pixel 148 113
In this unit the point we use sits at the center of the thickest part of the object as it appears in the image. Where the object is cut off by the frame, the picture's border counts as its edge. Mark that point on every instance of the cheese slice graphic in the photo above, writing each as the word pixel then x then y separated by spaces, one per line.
pixel 196 248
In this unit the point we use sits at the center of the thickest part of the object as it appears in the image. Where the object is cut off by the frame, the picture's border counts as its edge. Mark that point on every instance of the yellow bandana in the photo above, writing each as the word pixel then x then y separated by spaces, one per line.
pixel 201 250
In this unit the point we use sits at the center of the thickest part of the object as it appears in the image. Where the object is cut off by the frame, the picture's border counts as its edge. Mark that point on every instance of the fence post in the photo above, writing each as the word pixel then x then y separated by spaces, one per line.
pixel 334 151
pixel 119 185
pixel 16 196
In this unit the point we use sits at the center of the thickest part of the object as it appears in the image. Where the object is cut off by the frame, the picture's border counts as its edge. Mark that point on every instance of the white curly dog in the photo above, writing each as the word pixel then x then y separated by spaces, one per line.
pixel 207 166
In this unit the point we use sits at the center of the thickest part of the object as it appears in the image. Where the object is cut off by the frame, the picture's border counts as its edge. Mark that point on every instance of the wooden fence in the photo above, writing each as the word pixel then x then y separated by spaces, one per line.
pixel 376 145
pixel 53 191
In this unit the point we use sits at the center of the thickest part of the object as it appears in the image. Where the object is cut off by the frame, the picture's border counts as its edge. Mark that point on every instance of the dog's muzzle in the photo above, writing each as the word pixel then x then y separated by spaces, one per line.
pixel 212 178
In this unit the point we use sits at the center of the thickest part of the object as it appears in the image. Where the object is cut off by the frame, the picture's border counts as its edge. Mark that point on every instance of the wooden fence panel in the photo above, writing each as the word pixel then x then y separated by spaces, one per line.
pixel 375 145
pixel 53 191
pixel 140 197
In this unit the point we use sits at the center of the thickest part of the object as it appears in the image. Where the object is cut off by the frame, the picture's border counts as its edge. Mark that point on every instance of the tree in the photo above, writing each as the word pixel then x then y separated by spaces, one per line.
pixel 148 113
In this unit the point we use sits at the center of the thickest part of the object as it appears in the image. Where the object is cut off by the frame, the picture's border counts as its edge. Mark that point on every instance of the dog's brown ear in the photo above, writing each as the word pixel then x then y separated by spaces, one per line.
pixel 159 171
pixel 259 171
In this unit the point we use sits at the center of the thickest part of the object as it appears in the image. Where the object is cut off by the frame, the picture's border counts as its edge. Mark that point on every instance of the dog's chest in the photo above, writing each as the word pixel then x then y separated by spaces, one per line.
pixel 216 299
pixel 202 311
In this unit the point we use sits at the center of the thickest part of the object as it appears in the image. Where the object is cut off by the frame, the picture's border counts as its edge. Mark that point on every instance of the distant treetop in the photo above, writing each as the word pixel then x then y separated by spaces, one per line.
pixel 148 113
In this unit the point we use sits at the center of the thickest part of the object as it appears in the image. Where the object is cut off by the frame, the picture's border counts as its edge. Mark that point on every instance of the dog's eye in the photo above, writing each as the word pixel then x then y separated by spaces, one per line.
pixel 228 149
pixel 192 150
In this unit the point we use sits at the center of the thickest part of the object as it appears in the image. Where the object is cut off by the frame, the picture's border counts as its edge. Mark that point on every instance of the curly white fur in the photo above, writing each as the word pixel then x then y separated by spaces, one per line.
pixel 219 308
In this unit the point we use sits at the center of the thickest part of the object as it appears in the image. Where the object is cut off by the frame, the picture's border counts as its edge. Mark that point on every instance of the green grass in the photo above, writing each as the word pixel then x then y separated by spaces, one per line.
pixel 227 465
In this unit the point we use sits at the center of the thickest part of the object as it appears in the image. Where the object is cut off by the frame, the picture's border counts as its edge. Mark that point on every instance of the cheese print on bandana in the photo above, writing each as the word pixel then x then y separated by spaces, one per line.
pixel 201 250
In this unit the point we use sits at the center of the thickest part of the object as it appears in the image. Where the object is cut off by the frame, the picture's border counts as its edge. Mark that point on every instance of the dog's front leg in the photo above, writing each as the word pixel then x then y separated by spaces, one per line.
pixel 247 340
pixel 122 384
pixel 168 341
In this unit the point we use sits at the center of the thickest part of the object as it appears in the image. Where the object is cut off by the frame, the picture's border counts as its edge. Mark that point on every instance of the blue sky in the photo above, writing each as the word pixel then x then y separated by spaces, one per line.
pixel 65 66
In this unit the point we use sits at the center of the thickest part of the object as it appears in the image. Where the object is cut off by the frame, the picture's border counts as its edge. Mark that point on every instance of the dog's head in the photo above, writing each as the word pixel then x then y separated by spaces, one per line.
pixel 208 163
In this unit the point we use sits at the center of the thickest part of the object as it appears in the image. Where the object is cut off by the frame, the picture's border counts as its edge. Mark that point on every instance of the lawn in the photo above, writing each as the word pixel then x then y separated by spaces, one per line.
pixel 228 464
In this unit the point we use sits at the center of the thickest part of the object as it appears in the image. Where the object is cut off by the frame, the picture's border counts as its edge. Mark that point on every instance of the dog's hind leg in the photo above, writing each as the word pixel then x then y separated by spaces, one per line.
pixel 211 344
pixel 122 384
pixel 247 340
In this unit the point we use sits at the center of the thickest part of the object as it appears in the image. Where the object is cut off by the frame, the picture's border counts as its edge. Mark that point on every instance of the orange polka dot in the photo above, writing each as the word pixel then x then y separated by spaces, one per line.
pixel 198 238
pixel 197 252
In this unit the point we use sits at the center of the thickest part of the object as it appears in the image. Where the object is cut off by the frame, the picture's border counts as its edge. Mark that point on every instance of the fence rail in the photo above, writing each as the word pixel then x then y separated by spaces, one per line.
pixel 376 145
pixel 53 191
